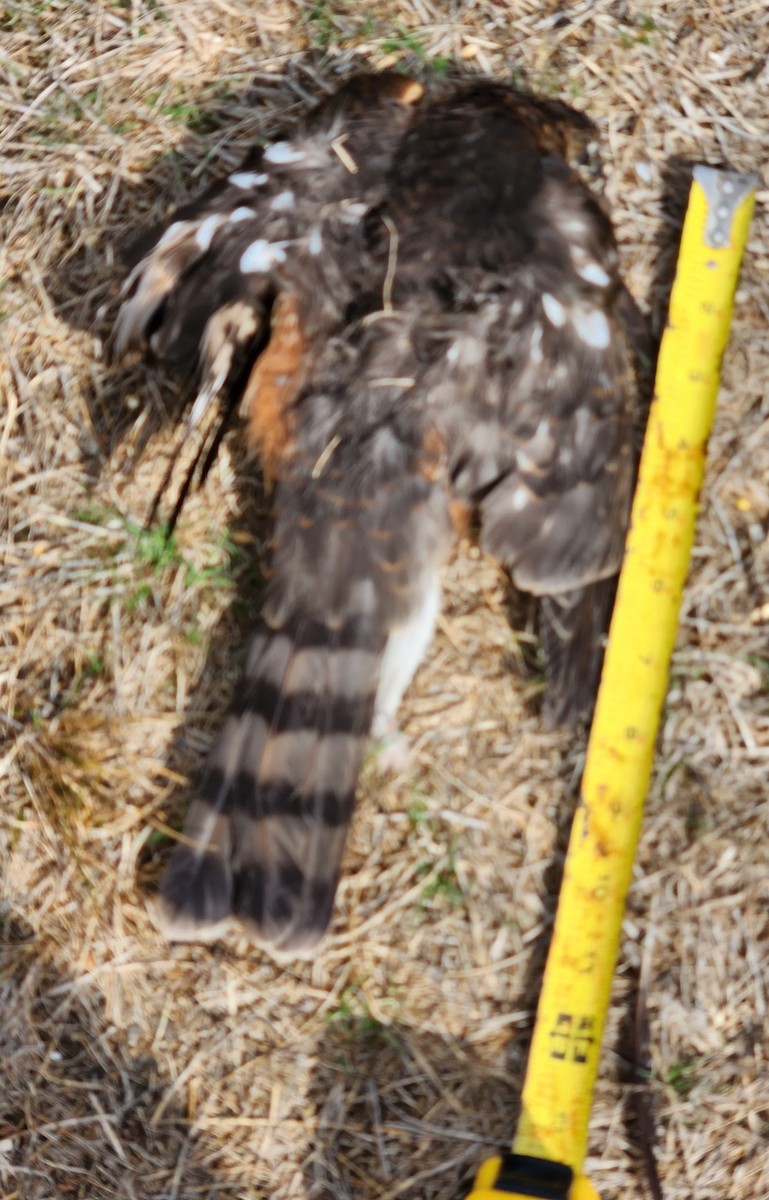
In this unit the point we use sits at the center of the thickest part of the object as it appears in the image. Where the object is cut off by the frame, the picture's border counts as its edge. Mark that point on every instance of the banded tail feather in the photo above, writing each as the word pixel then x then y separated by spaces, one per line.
pixel 265 835
pixel 348 615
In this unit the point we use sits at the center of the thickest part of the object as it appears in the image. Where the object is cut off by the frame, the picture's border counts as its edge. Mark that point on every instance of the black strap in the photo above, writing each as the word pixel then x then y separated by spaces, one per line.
pixel 536 1177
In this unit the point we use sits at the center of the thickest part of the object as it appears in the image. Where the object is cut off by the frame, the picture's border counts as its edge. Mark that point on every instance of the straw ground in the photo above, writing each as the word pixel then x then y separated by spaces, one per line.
pixel 389 1065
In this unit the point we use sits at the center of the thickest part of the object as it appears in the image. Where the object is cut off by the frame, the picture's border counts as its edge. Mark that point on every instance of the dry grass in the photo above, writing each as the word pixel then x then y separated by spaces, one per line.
pixel 132 1069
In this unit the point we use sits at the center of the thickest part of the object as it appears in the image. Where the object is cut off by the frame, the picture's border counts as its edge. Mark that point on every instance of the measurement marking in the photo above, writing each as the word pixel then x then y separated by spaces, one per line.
pixel 572 1038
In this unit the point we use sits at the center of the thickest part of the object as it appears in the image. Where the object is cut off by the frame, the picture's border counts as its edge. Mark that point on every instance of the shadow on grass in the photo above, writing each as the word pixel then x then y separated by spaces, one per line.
pixel 401 1112
pixel 394 1111
pixel 77 1108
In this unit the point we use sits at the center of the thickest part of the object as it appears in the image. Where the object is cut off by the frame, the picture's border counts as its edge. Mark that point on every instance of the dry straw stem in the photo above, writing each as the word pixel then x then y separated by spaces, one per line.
pixel 390 1064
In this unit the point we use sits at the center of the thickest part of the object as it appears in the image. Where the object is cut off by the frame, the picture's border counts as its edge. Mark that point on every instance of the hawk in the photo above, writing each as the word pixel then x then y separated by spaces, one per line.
pixel 416 303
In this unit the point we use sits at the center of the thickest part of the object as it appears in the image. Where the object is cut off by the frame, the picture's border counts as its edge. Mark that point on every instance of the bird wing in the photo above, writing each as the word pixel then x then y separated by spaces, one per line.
pixel 529 353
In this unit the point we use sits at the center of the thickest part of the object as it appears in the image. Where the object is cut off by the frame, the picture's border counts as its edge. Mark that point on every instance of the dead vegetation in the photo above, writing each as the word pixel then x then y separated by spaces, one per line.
pixel 389 1065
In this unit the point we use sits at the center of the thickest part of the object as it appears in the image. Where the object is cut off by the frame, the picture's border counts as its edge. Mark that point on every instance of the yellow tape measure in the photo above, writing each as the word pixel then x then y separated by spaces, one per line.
pixel 551 1141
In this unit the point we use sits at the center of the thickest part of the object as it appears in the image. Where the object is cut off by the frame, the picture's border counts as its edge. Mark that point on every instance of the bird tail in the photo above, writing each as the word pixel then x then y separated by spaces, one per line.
pixel 348 614
pixel 265 834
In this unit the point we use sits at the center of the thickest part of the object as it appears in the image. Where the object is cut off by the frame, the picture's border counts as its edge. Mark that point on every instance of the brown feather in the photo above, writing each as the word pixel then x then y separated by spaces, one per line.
pixel 274 382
